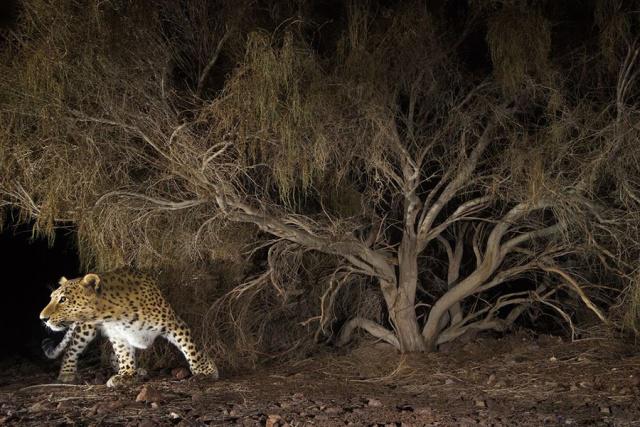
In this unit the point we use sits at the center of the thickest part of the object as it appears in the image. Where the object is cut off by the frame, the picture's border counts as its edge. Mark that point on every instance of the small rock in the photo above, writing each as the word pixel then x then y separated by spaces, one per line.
pixel 374 403
pixel 273 420
pixel 481 403
pixel 180 373
pixel 573 387
pixel 65 404
pixel 174 416
pixel 333 410
pixel 424 411
pixel 107 407
pixel 553 359
pixel 207 418
pixel 491 380
pixel 155 405
pixel 149 394
pixel 605 410
pixel 298 396
pixel 449 381
pixel 37 407
pixel 519 359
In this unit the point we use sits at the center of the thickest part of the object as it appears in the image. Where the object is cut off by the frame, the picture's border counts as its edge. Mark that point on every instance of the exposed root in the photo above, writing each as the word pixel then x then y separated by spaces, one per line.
pixel 371 327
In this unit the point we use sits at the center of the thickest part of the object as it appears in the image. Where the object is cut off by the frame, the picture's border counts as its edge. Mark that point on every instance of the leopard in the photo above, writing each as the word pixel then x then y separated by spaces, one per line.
pixel 126 306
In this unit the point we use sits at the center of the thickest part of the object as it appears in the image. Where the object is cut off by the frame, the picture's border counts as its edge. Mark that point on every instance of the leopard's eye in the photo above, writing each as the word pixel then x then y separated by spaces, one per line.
pixel 62 299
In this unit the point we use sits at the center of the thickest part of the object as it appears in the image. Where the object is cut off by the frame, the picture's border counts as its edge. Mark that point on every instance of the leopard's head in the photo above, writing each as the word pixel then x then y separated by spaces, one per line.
pixel 74 300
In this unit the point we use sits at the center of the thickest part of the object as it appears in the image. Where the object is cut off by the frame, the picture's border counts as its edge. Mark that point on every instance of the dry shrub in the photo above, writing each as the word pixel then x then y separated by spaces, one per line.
pixel 631 308
pixel 106 128
pixel 275 316
pixel 284 107
pixel 616 23
pixel 520 43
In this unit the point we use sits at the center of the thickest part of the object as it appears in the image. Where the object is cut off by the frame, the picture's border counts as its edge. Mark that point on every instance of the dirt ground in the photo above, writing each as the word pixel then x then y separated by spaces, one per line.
pixel 516 380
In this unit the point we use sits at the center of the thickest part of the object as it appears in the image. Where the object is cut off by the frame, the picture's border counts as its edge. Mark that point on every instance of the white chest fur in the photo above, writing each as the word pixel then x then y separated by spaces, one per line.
pixel 137 334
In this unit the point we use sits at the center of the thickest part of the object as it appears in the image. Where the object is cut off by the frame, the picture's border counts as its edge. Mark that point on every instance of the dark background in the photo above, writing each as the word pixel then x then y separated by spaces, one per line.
pixel 30 268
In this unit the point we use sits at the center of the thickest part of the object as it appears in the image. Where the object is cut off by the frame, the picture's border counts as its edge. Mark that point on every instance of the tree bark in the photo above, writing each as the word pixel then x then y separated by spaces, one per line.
pixel 403 317
pixel 402 311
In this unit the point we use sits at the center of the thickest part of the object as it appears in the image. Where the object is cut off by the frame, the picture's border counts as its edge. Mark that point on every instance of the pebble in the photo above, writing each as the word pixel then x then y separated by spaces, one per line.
pixel 65 404
pixel 180 373
pixel 374 403
pixel 273 420
pixel 481 403
pixel 37 407
pixel 149 394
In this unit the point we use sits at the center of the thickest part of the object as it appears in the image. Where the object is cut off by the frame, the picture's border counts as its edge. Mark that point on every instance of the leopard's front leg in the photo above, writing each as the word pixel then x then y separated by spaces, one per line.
pixel 79 338
pixel 126 355
pixel 179 335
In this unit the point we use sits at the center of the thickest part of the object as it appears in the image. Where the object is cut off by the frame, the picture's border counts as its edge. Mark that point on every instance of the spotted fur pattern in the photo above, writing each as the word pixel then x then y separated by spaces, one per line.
pixel 127 307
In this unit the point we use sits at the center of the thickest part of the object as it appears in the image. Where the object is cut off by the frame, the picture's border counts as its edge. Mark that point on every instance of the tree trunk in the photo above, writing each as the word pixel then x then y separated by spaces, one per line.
pixel 403 311
pixel 403 317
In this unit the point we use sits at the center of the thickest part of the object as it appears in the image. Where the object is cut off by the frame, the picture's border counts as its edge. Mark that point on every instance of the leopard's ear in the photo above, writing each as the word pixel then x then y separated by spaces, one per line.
pixel 62 280
pixel 91 281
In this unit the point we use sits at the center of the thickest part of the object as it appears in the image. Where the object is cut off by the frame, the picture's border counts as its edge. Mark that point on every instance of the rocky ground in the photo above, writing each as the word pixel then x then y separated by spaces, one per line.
pixel 516 380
